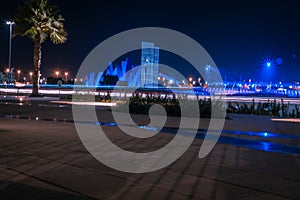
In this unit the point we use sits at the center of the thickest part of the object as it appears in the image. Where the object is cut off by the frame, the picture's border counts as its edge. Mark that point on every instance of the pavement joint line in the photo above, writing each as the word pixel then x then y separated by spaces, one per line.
pixel 89 169
pixel 36 157
pixel 234 183
pixel 46 158
pixel 241 186
pixel 9 152
pixel 21 164
pixel 134 181
pixel 11 178
pixel 59 149
pixel 57 145
pixel 39 166
pixel 255 189
pixel 230 137
pixel 51 183
pixel 62 145
pixel 70 164
pixel 243 170
pixel 12 146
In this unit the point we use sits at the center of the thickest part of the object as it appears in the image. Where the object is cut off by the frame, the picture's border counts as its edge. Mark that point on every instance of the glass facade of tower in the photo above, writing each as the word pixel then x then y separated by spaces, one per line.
pixel 149 65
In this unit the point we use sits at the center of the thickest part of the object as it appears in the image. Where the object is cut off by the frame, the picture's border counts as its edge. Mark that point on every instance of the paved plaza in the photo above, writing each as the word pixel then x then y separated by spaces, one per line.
pixel 42 157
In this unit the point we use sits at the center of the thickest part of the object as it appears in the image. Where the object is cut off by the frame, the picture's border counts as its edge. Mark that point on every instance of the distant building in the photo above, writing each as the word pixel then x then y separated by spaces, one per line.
pixel 127 74
pixel 149 64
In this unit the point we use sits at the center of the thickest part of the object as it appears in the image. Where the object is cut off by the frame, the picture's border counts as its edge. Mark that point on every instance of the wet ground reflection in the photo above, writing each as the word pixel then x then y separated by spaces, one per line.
pixel 227 136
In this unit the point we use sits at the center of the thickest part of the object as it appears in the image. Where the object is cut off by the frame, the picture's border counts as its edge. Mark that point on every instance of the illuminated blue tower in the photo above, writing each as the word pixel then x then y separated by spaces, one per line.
pixel 149 65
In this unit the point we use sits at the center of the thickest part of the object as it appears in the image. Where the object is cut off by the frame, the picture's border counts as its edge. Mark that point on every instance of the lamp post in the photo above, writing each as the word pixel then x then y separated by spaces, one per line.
pixel 19 71
pixel 190 81
pixel 7 74
pixel 57 73
pixel 30 73
pixel 10 23
pixel 66 74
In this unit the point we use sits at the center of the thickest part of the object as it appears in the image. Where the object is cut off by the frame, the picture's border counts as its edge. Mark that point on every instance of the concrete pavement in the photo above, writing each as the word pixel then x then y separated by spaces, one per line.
pixel 42 157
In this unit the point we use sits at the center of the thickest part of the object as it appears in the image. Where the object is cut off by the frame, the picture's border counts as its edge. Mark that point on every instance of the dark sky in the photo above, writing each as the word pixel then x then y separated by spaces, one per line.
pixel 237 34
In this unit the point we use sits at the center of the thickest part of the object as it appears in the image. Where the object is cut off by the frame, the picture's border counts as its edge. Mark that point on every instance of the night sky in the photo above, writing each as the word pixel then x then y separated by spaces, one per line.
pixel 237 34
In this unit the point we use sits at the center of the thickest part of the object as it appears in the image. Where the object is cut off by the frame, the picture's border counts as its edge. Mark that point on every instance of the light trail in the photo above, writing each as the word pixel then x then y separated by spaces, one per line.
pixel 127 93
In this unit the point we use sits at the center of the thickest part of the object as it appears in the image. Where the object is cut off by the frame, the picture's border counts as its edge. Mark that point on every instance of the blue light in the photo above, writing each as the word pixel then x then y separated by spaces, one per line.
pixel 266 146
pixel 266 134
pixel 207 67
pixel 150 128
pixel 279 61
pixel 271 62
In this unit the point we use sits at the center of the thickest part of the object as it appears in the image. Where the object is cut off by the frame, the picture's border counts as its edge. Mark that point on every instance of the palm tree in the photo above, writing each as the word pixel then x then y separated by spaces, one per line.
pixel 39 20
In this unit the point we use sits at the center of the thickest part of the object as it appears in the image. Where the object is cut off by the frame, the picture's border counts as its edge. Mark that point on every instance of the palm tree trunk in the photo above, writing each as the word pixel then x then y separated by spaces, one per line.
pixel 37 53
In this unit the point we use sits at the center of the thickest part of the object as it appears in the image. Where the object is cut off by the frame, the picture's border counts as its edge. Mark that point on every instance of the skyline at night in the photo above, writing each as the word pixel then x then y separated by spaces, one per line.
pixel 237 35
pixel 157 99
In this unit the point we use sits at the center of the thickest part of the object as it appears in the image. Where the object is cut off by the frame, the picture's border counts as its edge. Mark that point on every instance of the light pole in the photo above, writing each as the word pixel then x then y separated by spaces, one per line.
pixel 190 81
pixel 66 74
pixel 57 73
pixel 10 23
pixel 30 73
pixel 19 71
pixel 7 73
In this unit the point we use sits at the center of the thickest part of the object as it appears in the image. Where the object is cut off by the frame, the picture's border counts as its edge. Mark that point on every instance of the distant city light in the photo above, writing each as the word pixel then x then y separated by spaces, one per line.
pixel 57 73
pixel 279 61
pixel 207 67
pixel 19 71
pixel 271 62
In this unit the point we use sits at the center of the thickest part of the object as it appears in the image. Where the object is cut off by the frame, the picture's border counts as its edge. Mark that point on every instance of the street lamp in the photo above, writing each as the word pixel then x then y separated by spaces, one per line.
pixel 30 73
pixel 190 81
pixel 7 74
pixel 10 23
pixel 19 71
pixel 57 73
pixel 66 74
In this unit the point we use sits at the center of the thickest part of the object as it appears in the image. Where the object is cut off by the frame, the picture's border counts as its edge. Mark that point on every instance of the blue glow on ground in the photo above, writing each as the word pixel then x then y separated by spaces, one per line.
pixel 225 138
pixel 260 145
pixel 106 124
pixel 265 146
pixel 150 128
pixel 260 134
pixel 251 143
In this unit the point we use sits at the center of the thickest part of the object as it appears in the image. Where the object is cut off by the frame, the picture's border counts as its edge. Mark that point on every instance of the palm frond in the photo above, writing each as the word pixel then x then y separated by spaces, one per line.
pixel 37 17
